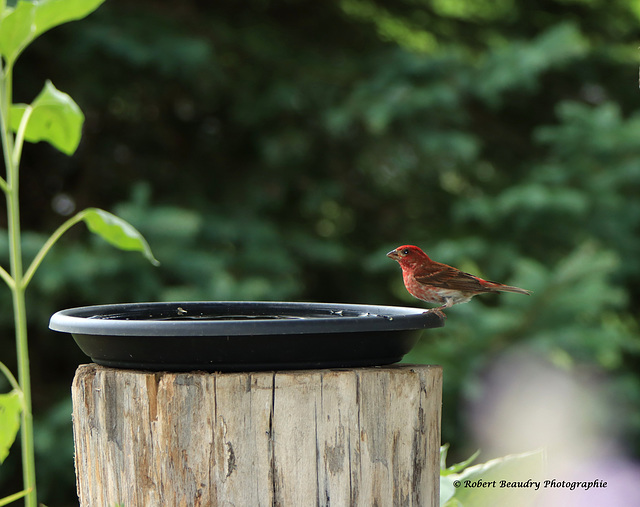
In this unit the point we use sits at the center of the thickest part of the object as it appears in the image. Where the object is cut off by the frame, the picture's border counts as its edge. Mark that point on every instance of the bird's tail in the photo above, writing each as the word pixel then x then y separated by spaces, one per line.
pixel 506 288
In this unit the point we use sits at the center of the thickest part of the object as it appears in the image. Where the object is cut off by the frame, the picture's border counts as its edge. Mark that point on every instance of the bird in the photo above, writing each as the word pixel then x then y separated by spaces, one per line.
pixel 439 283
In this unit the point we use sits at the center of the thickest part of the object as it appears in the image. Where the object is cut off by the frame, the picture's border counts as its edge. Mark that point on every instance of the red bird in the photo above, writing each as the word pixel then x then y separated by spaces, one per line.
pixel 434 282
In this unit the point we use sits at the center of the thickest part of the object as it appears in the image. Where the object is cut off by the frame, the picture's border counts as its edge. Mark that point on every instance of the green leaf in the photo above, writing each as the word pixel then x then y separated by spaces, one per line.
pixel 54 118
pixel 17 29
pixel 117 231
pixel 22 24
pixel 10 408
pixel 458 467
pixel 447 490
pixel 51 13
pixel 444 449
pixel 503 481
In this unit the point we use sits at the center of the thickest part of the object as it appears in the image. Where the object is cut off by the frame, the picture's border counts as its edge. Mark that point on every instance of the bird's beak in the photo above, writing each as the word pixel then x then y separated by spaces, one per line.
pixel 393 255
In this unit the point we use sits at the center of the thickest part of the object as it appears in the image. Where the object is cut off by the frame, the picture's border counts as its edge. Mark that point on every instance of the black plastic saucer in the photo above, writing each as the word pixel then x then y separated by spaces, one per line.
pixel 243 336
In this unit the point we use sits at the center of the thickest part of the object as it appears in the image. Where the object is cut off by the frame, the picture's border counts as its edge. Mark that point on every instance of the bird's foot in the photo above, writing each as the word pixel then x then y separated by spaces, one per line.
pixel 438 311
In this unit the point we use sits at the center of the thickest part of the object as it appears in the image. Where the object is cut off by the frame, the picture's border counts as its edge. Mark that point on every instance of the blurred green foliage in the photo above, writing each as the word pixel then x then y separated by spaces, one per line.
pixel 278 149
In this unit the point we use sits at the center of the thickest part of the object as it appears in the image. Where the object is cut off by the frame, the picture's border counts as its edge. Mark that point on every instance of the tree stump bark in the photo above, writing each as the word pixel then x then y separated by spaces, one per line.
pixel 364 436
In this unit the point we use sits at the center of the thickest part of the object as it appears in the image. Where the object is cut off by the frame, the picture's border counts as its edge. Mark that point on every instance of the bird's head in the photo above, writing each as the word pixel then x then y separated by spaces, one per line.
pixel 408 255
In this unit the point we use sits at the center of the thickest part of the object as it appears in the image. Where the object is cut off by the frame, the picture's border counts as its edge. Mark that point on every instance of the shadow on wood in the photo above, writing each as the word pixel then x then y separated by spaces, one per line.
pixel 364 436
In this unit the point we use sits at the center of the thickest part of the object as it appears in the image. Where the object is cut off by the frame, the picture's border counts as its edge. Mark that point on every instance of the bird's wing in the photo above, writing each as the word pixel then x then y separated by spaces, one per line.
pixel 447 277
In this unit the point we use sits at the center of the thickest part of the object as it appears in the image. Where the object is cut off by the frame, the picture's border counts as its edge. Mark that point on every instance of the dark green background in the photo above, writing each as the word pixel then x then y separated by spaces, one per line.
pixel 276 150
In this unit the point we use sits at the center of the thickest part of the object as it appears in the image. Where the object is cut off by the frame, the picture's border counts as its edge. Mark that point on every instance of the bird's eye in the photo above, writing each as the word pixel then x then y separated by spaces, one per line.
pixel 405 251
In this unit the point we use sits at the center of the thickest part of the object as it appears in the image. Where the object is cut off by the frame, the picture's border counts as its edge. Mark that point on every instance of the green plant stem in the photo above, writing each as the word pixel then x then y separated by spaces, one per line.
pixel 12 189
pixel 12 498
pixel 7 373
pixel 24 379
pixel 19 141
pixel 37 260
pixel 7 139
pixel 7 278
pixel 5 102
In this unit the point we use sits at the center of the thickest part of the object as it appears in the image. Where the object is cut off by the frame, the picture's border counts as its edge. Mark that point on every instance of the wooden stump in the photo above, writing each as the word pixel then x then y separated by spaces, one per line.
pixel 365 436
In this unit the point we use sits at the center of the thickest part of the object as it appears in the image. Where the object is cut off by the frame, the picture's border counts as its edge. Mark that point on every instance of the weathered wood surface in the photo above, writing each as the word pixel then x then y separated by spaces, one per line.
pixel 366 436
